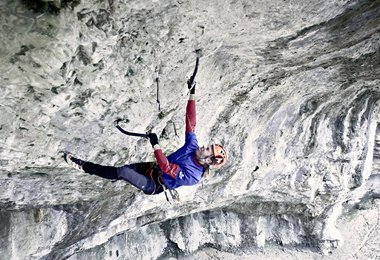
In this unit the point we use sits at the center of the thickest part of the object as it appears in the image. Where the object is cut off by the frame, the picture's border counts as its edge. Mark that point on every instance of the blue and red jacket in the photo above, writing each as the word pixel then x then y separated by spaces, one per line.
pixel 181 167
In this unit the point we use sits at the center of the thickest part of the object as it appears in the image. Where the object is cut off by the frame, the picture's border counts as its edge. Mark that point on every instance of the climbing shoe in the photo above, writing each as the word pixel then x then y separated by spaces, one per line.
pixel 73 162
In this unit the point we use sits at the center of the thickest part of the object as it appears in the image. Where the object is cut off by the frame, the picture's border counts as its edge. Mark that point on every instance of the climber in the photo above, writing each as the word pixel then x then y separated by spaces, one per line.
pixel 184 167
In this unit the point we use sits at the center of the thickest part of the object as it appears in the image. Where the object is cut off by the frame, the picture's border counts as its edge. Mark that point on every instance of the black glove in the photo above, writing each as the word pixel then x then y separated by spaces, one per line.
pixel 191 85
pixel 153 139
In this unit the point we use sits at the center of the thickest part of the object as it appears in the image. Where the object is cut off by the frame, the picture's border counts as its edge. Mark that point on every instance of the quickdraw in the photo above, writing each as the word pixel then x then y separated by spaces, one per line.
pixel 172 196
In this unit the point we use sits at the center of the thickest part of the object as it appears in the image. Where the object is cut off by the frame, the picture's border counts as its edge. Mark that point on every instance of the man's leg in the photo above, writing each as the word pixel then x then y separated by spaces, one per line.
pixel 133 174
pixel 107 172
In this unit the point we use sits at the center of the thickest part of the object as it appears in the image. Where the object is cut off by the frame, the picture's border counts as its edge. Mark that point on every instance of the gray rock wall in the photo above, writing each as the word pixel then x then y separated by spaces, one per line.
pixel 291 88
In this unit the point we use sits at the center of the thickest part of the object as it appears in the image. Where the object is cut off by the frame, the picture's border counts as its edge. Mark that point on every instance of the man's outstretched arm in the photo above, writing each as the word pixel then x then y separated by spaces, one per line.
pixel 191 114
pixel 168 168
pixel 165 166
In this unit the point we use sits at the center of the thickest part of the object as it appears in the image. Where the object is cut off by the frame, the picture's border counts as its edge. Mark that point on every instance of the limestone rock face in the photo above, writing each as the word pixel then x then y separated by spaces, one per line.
pixel 290 88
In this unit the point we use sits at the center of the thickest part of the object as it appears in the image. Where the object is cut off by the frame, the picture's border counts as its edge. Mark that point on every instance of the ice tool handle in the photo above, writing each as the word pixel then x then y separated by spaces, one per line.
pixel 191 80
pixel 116 124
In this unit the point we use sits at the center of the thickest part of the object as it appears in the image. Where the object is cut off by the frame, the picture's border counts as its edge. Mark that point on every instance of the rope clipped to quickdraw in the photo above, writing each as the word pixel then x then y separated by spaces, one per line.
pixel 172 196
pixel 157 80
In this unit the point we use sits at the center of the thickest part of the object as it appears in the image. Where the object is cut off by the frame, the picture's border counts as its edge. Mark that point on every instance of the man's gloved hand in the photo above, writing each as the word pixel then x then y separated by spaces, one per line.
pixel 191 85
pixel 153 139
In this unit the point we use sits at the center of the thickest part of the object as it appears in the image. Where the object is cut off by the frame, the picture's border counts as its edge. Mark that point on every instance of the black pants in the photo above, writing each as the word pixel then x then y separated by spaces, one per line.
pixel 144 176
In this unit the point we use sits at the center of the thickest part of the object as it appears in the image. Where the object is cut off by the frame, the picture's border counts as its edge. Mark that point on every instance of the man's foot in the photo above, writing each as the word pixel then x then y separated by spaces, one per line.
pixel 73 162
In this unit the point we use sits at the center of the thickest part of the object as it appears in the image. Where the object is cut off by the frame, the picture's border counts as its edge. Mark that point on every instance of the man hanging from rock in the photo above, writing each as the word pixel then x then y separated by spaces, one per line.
pixel 184 167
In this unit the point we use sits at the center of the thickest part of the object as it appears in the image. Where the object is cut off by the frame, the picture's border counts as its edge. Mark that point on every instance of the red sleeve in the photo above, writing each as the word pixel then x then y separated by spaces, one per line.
pixel 190 116
pixel 170 169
